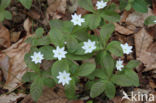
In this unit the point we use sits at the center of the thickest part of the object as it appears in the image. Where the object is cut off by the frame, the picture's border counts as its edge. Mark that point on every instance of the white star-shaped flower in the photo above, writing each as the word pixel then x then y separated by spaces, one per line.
pixel 59 53
pixel 101 4
pixel 119 65
pixel 77 20
pixel 65 42
pixel 126 49
pixel 64 78
pixel 89 46
pixel 37 57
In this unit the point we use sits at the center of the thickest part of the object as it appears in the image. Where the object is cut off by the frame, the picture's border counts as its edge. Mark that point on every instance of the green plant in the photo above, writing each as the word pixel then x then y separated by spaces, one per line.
pixel 150 20
pixel 26 3
pixel 71 42
pixel 137 5
pixel 4 14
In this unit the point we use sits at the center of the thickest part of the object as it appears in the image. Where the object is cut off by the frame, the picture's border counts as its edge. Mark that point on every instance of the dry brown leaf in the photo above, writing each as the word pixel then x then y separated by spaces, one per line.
pixel 52 95
pixel 152 84
pixel 124 16
pixel 34 14
pixel 4 36
pixel 144 41
pixel 138 19
pixel 123 30
pixel 13 65
pixel 56 9
pixel 11 98
pixel 1 76
pixel 154 6
pixel 72 5
pixel 27 25
pixel 15 36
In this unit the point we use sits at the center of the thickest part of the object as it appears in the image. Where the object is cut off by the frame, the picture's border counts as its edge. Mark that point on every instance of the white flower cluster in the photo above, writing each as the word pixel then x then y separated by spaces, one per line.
pixel 77 20
pixel 88 47
pixel 126 50
pixel 60 53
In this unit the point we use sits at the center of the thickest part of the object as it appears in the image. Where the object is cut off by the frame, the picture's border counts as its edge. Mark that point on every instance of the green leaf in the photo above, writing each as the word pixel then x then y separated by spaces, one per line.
pixel 28 77
pixel 56 24
pixel 105 33
pixel 80 33
pixel 133 77
pixel 78 57
pixel 115 48
pixel 59 66
pixel 97 89
pixel 70 90
pixel 63 26
pixel 49 82
pixel 57 37
pixel 47 52
pixel 106 61
pixel 89 84
pixel 90 101
pixel 2 15
pixel 86 4
pixel 129 78
pixel 26 3
pixel 79 50
pixel 72 44
pixel 73 66
pixel 93 20
pixel 150 20
pixel 132 64
pixel 39 41
pixel 36 88
pixel 140 6
pixel 39 32
pixel 110 16
pixel 7 15
pixel 123 4
pixel 4 3
pixel 100 73
pixel 109 89
pixel 85 69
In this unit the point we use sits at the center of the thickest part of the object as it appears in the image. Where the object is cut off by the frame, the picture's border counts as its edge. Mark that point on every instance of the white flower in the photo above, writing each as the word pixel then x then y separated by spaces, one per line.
pixel 77 20
pixel 119 65
pixel 89 46
pixel 126 49
pixel 154 21
pixel 59 53
pixel 64 78
pixel 101 4
pixel 65 42
pixel 37 57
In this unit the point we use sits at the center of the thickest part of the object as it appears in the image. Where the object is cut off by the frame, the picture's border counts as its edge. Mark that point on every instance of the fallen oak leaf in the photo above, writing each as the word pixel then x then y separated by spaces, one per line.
pixel 122 30
pixel 15 36
pixel 138 19
pixel 11 98
pixel 52 95
pixel 56 9
pixel 27 25
pixel 143 42
pixel 4 36
pixel 13 65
